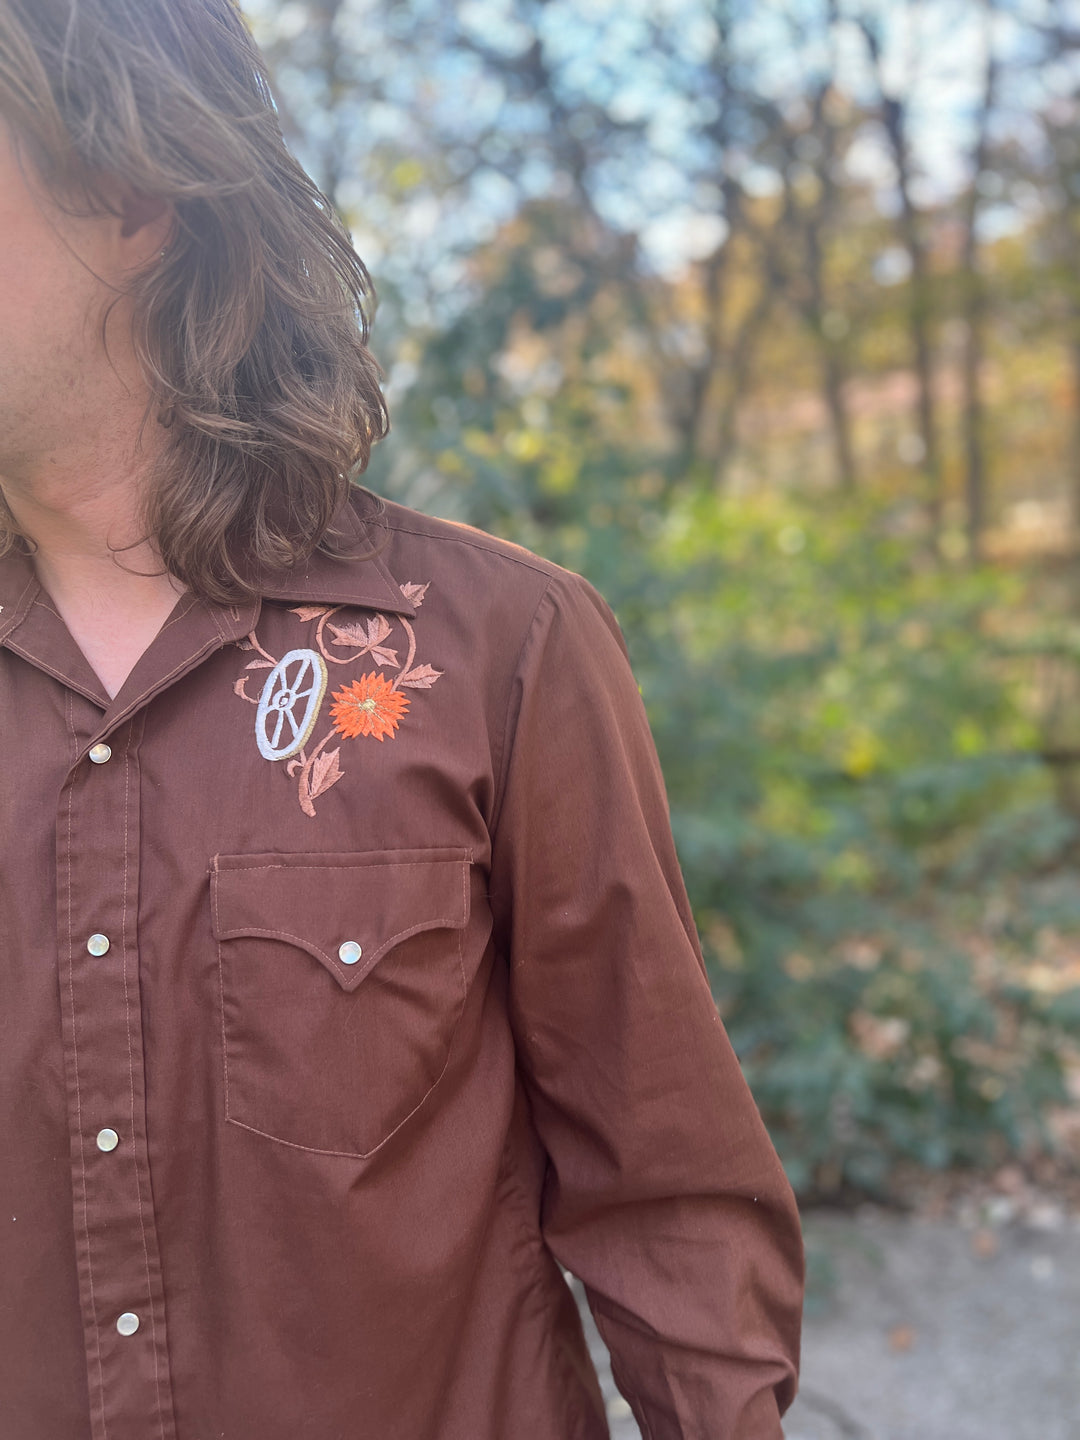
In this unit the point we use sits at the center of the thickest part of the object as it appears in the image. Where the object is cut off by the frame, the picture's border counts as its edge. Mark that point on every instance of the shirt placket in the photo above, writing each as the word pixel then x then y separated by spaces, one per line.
pixel 119 1265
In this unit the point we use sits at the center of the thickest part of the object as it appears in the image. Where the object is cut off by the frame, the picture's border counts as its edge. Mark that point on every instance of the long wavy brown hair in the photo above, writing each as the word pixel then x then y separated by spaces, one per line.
pixel 252 332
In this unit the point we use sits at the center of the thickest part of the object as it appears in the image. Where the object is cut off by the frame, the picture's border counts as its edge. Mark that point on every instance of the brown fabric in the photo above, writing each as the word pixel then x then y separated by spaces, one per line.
pixel 389 1028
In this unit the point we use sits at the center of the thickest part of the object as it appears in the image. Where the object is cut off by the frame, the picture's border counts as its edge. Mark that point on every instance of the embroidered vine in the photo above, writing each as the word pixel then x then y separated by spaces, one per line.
pixel 370 706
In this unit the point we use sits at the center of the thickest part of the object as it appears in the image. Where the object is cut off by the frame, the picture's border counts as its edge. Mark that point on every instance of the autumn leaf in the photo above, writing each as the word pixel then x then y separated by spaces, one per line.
pixel 382 656
pixel 984 1243
pixel 363 636
pixel 259 665
pixel 421 677
pixel 325 772
pixel 310 612
pixel 349 635
pixel 414 592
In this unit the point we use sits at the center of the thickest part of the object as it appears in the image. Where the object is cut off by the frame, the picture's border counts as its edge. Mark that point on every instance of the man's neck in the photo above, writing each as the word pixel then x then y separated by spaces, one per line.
pixel 104 576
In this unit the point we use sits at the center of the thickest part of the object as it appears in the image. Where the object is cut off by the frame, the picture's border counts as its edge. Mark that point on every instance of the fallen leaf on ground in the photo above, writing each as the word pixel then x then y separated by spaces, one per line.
pixel 984 1243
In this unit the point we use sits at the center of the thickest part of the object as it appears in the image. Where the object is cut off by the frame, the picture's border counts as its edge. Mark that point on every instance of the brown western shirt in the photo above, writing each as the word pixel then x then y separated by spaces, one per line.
pixel 349 993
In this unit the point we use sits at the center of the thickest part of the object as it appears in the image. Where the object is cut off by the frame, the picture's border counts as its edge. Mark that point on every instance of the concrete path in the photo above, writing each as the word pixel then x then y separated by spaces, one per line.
pixel 965 1327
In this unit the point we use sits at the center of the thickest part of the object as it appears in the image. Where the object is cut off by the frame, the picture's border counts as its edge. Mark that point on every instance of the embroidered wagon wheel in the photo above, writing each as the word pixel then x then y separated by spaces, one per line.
pixel 289 704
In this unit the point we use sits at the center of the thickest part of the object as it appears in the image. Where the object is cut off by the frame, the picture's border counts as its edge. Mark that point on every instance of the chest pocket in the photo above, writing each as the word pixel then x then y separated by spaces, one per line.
pixel 341 987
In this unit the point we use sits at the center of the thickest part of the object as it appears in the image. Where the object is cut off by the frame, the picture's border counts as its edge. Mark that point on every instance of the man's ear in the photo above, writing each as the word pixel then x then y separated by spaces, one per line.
pixel 146 223
pixel 138 211
pixel 142 225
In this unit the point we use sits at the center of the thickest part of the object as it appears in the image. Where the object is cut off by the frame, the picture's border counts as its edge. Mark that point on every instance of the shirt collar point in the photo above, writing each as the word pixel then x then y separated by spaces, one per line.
pixel 357 577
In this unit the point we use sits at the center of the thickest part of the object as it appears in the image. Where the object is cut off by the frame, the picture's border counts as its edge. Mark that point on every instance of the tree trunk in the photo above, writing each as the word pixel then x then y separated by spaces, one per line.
pixel 974 312
pixel 894 120
pixel 817 221
pixel 833 379
pixel 919 311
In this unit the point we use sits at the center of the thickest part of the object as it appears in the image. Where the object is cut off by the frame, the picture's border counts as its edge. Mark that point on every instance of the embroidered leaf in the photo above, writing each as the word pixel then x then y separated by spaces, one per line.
pixel 325 772
pixel 259 665
pixel 414 592
pixel 364 637
pixel 238 689
pixel 349 635
pixel 421 677
pixel 317 779
pixel 382 656
pixel 310 612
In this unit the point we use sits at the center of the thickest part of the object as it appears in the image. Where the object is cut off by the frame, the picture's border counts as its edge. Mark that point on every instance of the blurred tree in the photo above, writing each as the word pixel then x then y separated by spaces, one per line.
pixel 727 305
pixel 973 292
pixel 809 157
pixel 1059 121
pixel 893 107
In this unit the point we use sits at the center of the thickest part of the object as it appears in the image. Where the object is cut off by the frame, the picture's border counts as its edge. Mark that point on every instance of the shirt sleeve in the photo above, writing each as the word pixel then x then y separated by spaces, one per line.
pixel 663 1192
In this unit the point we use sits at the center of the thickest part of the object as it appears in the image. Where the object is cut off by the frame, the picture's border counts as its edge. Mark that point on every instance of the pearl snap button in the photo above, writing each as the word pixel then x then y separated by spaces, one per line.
pixel 350 952
pixel 100 754
pixel 98 944
pixel 107 1140
pixel 127 1323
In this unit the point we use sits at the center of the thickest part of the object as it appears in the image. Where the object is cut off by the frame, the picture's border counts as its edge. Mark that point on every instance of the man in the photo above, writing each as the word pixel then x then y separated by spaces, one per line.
pixel 349 984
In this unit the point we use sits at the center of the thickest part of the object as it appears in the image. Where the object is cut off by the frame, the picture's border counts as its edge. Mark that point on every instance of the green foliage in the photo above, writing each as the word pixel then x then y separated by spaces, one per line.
pixel 850 774
pixel 852 779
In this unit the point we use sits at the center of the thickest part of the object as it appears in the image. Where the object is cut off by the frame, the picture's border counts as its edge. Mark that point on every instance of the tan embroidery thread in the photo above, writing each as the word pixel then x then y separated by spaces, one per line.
pixel 371 706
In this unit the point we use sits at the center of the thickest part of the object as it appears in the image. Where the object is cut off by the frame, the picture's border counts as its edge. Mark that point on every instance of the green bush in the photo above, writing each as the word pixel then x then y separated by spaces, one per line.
pixel 852 781
pixel 849 747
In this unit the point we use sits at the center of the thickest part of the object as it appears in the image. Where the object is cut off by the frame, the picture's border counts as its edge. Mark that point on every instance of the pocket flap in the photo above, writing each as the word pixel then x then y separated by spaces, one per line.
pixel 346 910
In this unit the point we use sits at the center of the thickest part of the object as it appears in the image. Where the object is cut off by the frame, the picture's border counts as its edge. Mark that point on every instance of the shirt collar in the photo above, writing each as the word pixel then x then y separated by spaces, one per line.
pixel 358 577
pixel 18 587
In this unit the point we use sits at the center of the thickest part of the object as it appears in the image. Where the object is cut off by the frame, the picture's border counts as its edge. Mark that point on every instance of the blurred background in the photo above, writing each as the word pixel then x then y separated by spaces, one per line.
pixel 766 318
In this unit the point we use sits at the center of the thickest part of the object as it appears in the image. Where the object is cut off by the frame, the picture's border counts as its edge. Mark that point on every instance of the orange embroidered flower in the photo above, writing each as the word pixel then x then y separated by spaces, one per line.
pixel 369 706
